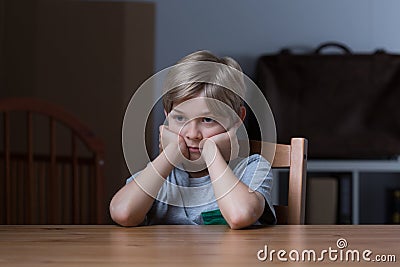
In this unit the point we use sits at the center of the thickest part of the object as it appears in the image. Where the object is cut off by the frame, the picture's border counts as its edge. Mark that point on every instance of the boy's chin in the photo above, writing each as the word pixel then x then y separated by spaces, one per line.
pixel 195 163
pixel 194 156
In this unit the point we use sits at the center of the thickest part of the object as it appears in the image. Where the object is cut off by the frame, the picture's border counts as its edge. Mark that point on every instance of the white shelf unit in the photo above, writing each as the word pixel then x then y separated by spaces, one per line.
pixel 355 167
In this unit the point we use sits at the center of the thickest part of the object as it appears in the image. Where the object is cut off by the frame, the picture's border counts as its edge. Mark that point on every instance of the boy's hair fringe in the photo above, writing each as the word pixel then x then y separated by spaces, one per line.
pixel 201 71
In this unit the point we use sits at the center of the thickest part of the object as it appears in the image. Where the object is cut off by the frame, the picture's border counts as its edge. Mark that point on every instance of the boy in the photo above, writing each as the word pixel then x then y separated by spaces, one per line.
pixel 198 178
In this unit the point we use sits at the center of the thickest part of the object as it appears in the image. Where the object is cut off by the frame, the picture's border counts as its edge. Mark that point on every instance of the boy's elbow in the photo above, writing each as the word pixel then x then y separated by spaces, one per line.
pixel 122 216
pixel 239 224
pixel 247 215
pixel 242 220
pixel 122 220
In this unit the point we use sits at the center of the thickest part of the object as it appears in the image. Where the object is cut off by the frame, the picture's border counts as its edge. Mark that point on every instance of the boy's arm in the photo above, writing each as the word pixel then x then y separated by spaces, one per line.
pixel 131 203
pixel 240 206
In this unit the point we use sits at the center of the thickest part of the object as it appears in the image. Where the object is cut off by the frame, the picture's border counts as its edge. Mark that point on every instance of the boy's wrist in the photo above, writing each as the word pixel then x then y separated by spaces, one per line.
pixel 209 152
pixel 173 155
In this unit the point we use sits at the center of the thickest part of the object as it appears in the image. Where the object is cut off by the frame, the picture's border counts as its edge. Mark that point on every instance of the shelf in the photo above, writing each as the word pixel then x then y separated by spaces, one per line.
pixel 355 167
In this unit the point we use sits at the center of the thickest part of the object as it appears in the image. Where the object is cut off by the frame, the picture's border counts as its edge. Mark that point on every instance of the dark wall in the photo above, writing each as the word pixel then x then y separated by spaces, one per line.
pixel 88 57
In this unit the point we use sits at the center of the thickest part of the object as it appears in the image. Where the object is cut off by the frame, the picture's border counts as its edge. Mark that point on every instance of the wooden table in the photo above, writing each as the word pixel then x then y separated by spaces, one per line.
pixel 195 245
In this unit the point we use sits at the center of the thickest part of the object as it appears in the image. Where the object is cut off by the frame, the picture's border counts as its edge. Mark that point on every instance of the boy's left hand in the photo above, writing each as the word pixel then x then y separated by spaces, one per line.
pixel 227 144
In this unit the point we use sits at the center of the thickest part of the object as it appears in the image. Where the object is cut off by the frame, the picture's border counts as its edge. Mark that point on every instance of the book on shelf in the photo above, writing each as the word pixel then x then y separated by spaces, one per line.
pixel 345 209
pixel 393 206
pixel 322 199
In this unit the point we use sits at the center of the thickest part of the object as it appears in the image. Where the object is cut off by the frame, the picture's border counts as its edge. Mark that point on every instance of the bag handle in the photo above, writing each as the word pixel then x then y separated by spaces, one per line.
pixel 321 47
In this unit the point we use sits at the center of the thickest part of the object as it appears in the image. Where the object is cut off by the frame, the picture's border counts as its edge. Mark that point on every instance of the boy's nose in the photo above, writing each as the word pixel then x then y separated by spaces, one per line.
pixel 191 130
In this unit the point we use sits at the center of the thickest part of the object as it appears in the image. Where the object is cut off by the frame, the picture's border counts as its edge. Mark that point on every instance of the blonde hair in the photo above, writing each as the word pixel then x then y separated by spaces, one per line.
pixel 201 71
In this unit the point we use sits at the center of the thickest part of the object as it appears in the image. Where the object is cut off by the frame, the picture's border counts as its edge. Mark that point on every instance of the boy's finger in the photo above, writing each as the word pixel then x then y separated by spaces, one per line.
pixel 232 132
pixel 201 144
pixel 235 127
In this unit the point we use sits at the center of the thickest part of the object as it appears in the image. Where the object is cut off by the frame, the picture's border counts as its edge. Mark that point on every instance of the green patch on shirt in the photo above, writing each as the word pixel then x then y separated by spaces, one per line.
pixel 213 217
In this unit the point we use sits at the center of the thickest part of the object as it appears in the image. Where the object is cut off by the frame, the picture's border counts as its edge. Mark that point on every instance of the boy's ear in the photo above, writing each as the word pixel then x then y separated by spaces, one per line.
pixel 166 116
pixel 242 112
pixel 242 115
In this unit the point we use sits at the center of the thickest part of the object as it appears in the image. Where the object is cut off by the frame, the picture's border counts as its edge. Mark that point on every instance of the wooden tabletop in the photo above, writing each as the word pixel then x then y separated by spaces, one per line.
pixel 199 245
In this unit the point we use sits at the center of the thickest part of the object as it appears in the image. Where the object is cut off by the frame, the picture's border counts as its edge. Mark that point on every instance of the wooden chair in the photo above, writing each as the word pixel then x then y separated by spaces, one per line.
pixel 51 166
pixel 294 157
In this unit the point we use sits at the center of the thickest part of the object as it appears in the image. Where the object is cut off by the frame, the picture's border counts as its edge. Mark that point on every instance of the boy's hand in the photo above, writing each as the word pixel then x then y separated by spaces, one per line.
pixel 175 143
pixel 227 144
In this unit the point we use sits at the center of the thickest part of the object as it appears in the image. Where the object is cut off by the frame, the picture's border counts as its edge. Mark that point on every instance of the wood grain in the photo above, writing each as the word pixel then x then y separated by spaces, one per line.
pixel 186 245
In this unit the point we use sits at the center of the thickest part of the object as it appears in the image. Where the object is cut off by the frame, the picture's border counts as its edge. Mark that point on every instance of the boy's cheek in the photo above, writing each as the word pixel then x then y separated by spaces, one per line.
pixel 175 128
pixel 224 123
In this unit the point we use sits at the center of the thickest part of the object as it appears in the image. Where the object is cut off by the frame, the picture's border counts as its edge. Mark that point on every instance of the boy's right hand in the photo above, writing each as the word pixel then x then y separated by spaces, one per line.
pixel 174 145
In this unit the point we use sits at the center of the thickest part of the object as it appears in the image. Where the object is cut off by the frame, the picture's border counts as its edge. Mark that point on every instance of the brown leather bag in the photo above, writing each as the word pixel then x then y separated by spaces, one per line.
pixel 347 105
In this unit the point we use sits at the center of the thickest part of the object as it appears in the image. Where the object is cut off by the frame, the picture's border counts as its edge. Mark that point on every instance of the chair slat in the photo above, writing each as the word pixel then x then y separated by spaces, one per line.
pixel 52 181
pixel 84 196
pixel 282 156
pixel 68 194
pixel 75 179
pixel 7 182
pixel 18 178
pixel 99 182
pixel 297 181
pixel 15 175
pixel 42 191
pixel 279 153
pixel 29 182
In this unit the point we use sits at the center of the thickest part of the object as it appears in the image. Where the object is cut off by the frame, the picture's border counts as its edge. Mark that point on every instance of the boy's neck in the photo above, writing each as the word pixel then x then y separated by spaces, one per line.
pixel 198 174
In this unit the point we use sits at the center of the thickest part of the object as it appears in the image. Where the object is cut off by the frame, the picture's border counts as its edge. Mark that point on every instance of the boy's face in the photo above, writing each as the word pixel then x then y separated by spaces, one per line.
pixel 193 120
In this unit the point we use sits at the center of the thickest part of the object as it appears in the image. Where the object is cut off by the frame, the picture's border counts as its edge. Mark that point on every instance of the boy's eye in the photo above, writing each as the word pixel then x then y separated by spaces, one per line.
pixel 179 118
pixel 208 120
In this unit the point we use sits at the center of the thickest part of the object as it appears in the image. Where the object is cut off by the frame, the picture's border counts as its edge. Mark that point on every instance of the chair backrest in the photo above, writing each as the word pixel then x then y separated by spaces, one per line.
pixel 294 157
pixel 51 166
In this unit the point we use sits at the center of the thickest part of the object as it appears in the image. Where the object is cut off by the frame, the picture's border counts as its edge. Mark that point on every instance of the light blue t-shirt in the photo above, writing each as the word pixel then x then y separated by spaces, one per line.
pixel 182 200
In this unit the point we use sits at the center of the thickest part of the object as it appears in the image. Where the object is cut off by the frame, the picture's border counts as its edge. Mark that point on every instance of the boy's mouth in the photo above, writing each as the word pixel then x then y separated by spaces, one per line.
pixel 194 149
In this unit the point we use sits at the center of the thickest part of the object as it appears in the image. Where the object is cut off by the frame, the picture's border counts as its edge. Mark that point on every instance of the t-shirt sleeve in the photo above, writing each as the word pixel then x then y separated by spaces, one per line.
pixel 257 175
pixel 130 179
